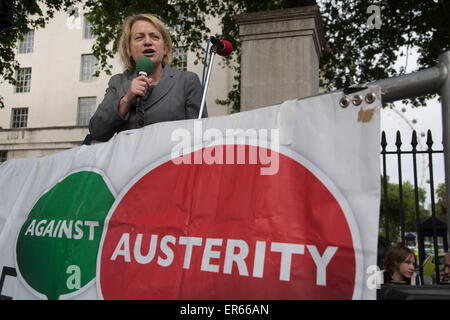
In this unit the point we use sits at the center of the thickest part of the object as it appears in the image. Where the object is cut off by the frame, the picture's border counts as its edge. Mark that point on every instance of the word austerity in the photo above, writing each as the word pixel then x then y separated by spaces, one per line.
pixel 287 250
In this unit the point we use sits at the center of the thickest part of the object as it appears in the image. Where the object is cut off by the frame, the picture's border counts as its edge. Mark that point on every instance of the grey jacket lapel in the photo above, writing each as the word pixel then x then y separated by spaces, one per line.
pixel 162 88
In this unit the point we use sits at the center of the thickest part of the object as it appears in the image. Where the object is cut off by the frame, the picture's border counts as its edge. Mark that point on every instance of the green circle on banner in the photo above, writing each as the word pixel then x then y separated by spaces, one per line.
pixel 57 246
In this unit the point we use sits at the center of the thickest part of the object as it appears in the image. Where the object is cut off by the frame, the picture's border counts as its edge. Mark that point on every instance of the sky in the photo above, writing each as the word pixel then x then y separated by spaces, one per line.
pixel 405 118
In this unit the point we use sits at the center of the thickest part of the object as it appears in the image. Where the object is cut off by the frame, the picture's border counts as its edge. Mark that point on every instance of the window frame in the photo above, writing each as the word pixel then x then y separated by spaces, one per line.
pixel 27 44
pixel 23 78
pixel 87 28
pixel 84 121
pixel 83 68
pixel 20 120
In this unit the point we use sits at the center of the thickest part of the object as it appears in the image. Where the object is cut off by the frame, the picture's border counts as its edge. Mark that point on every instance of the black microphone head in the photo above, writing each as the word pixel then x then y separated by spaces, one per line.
pixel 217 43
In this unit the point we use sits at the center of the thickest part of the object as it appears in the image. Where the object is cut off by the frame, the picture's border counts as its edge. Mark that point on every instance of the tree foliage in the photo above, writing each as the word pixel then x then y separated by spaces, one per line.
pixel 441 206
pixel 393 208
pixel 353 53
pixel 357 54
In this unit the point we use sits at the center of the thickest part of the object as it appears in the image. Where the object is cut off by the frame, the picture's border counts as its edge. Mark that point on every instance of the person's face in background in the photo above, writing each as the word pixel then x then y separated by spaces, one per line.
pixel 407 267
pixel 447 263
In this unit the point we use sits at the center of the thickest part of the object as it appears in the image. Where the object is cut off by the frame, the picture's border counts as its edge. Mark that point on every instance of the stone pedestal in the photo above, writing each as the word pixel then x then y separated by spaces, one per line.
pixel 280 55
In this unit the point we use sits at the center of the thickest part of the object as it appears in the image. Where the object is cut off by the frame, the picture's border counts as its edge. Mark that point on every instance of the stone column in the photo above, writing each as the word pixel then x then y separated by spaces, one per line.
pixel 280 55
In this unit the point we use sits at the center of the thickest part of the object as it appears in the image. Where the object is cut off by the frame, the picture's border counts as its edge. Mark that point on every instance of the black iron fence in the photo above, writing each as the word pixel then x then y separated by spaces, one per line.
pixel 425 225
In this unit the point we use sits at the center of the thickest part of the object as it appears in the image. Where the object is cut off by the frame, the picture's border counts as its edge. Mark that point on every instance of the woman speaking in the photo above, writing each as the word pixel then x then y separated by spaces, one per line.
pixel 166 94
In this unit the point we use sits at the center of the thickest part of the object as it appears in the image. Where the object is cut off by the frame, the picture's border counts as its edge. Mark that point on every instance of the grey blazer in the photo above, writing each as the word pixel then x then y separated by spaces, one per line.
pixel 177 96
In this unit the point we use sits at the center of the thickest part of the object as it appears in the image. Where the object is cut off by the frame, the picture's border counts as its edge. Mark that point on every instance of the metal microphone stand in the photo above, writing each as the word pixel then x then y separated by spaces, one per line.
pixel 212 53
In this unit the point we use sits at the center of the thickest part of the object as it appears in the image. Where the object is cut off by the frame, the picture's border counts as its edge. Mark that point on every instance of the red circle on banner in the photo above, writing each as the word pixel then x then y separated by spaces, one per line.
pixel 225 231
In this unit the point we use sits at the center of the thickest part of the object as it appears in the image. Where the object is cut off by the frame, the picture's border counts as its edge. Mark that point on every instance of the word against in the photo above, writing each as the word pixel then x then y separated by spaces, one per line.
pixel 287 250
pixel 69 229
pixel 181 152
pixel 374 21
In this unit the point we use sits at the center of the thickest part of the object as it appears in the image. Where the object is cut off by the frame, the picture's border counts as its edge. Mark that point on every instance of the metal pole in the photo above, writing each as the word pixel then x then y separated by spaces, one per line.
pixel 398 143
pixel 433 206
pixel 385 200
pixel 444 90
pixel 411 85
pixel 208 74
pixel 416 203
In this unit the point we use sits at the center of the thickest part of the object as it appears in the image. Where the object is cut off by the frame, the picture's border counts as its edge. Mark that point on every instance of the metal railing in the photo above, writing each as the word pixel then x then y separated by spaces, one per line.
pixel 399 211
pixel 435 80
pixel 428 81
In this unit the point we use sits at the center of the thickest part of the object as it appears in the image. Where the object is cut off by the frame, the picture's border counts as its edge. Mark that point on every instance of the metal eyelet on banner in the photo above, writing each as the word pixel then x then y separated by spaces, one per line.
pixel 344 102
pixel 371 97
pixel 357 100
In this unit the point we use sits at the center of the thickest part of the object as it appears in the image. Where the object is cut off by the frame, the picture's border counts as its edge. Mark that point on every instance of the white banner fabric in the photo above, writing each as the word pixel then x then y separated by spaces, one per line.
pixel 280 202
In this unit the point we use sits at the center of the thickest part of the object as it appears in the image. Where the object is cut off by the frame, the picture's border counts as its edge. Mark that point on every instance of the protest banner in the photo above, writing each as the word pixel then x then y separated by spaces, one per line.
pixel 280 202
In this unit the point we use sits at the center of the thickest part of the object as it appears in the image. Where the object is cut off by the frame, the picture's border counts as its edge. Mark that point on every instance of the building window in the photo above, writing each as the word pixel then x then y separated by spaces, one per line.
pixel 3 156
pixel 19 117
pixel 86 108
pixel 87 28
pixel 89 65
pixel 26 45
pixel 180 58
pixel 23 78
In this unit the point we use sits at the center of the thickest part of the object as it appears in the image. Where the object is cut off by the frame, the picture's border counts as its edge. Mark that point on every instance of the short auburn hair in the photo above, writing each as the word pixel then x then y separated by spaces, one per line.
pixel 124 41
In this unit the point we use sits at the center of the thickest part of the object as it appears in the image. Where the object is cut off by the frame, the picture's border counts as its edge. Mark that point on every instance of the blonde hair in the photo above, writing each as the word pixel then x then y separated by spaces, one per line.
pixel 124 41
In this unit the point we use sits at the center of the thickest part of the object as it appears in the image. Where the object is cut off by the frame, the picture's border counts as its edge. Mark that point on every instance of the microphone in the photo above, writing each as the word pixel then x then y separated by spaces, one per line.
pixel 144 67
pixel 224 47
